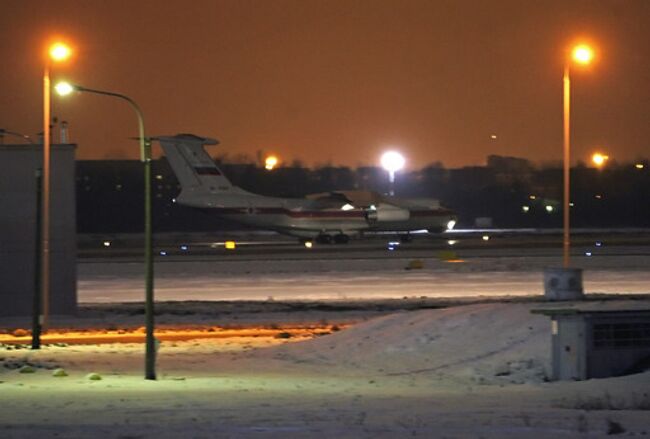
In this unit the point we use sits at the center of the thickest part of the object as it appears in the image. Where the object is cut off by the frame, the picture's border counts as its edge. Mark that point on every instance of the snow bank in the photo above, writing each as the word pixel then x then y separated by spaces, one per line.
pixel 484 343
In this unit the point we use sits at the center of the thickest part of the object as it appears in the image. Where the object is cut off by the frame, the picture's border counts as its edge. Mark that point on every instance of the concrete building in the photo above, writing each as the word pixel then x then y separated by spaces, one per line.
pixel 598 343
pixel 18 165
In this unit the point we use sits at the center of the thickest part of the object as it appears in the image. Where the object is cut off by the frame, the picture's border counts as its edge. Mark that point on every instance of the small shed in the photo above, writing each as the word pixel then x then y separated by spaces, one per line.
pixel 589 343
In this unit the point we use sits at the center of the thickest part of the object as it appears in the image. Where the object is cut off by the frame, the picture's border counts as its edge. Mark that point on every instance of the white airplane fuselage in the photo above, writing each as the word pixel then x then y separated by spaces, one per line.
pixel 337 214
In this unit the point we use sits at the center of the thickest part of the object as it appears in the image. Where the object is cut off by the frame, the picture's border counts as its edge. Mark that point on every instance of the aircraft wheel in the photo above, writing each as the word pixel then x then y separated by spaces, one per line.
pixel 324 239
pixel 341 238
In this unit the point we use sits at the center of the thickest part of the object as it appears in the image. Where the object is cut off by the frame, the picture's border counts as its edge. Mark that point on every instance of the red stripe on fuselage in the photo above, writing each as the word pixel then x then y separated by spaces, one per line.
pixel 290 213
pixel 316 213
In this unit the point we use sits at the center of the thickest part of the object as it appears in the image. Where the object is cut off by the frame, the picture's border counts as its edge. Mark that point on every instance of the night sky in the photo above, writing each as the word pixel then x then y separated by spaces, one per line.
pixel 337 80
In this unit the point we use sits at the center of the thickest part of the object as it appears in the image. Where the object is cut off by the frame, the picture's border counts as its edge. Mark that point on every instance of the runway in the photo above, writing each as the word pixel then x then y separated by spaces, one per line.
pixel 287 271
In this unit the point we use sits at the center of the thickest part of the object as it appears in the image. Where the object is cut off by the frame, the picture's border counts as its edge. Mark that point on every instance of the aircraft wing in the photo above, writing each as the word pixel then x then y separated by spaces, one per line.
pixel 358 199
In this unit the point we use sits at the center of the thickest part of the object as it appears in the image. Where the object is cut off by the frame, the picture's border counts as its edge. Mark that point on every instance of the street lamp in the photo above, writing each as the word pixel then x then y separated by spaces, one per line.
pixel 57 52
pixel 392 161
pixel 65 88
pixel 581 54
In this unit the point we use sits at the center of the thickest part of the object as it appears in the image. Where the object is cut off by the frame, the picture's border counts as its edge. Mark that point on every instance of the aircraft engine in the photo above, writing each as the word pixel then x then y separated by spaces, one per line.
pixel 387 213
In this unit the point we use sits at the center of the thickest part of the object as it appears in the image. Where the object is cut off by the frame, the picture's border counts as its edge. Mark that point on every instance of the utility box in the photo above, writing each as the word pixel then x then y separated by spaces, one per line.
pixel 563 284
pixel 598 343
pixel 18 166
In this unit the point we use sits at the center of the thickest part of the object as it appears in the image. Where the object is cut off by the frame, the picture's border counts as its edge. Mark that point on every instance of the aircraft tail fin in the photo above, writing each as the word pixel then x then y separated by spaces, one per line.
pixel 194 168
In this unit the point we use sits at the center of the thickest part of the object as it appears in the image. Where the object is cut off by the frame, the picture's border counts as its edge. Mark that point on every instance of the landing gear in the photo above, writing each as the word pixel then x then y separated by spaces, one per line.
pixel 341 238
pixel 324 239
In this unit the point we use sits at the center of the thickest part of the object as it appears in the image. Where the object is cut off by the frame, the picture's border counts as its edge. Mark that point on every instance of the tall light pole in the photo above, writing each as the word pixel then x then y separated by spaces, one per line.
pixel 63 89
pixel 581 54
pixel 392 161
pixel 57 52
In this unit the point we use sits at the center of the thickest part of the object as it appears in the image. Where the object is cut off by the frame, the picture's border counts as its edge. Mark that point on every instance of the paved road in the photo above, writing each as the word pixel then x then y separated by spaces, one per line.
pixel 363 273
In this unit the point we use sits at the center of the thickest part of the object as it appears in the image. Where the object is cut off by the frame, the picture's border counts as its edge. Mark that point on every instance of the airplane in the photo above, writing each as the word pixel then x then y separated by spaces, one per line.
pixel 331 217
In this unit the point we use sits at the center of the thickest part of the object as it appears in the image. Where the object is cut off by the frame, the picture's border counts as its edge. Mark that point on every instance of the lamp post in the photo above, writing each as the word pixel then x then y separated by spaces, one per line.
pixel 57 52
pixel 392 161
pixel 63 89
pixel 581 54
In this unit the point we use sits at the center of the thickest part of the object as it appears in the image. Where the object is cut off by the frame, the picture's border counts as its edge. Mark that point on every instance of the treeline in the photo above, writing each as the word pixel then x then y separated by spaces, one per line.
pixel 510 192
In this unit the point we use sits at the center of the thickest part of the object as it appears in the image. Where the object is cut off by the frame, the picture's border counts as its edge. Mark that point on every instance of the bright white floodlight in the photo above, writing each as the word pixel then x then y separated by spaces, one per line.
pixel 392 161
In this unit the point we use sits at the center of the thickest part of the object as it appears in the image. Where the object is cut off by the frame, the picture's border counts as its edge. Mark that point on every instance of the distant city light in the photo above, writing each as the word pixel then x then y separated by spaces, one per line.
pixel 451 224
pixel 599 159
pixel 549 208
pixel 598 197
pixel 599 244
pixel 639 166
pixel 525 208
pixel 347 206
pixel 452 242
pixel 270 162
pixel 587 253
pixel 163 253
pixel 532 197
pixel 184 248
pixel 309 244
pixel 486 238
pixel 392 161
pixel 230 245
pixel 107 243
pixel 493 136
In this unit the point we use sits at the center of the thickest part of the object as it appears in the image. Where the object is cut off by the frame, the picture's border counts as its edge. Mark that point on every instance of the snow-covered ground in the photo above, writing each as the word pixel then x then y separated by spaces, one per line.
pixel 471 371
pixel 461 372
pixel 346 277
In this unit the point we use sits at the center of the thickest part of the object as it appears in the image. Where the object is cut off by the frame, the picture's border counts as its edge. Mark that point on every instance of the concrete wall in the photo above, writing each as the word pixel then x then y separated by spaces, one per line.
pixel 600 344
pixel 18 164
pixel 569 345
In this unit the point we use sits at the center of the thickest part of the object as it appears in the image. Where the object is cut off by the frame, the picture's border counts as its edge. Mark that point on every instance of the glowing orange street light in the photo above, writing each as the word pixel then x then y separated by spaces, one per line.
pixel 582 54
pixel 599 159
pixel 57 52
pixel 270 162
